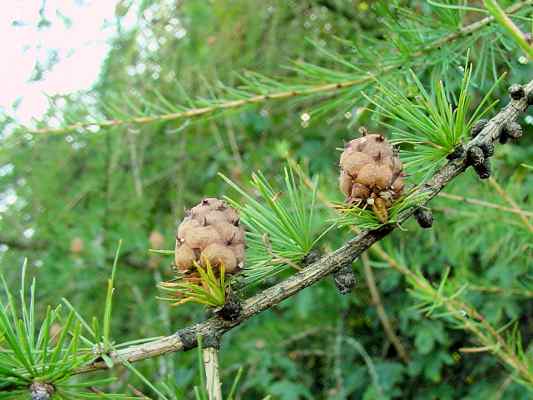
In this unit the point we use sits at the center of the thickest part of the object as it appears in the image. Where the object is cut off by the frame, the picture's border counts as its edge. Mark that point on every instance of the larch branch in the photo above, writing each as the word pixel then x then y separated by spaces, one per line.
pixel 215 327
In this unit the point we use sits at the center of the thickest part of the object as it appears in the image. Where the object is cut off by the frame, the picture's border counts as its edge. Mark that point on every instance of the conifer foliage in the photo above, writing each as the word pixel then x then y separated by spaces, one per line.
pixel 224 105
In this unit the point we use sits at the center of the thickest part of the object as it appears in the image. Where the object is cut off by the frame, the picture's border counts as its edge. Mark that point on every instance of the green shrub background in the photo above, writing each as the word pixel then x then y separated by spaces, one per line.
pixel 126 182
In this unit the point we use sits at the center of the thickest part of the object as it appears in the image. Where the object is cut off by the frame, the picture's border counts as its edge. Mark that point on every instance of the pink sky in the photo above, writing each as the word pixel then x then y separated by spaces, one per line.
pixel 81 47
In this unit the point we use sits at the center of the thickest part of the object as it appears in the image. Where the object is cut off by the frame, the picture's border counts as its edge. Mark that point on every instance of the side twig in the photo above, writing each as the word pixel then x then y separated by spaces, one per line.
pixel 380 309
pixel 518 36
pixel 511 201
pixel 212 375
pixel 486 204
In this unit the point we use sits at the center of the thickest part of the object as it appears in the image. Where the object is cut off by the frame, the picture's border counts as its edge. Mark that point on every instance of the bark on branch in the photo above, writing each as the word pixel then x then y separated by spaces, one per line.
pixel 215 327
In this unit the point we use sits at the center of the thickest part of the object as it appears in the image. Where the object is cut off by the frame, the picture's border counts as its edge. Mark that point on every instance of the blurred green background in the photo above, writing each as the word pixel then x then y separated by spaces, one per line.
pixel 77 194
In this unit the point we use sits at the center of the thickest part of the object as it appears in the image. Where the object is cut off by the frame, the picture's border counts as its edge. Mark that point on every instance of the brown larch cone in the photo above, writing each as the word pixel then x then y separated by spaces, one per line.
pixel 211 231
pixel 371 174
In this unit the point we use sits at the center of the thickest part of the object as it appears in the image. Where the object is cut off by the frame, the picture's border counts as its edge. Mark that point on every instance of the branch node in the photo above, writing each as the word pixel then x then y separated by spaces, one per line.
pixel 211 340
pixel 512 130
pixel 424 217
pixel 188 337
pixel 475 157
pixel 516 91
pixel 41 391
pixel 478 127
pixel 458 152
pixel 483 170
pixel 311 257
pixel 231 309
pixel 487 148
pixel 344 279
pixel 503 138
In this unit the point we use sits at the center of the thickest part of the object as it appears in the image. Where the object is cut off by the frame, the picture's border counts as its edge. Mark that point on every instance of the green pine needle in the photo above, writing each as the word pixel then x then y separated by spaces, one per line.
pixel 210 290
pixel 282 227
pixel 429 125
pixel 30 354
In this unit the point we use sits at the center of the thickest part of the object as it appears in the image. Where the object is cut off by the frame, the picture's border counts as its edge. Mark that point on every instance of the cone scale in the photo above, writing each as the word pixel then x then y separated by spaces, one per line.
pixel 371 174
pixel 210 233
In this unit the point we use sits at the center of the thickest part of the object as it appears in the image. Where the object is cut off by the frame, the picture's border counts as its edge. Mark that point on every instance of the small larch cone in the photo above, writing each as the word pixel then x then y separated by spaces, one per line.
pixel 210 233
pixel 76 245
pixel 371 174
pixel 157 240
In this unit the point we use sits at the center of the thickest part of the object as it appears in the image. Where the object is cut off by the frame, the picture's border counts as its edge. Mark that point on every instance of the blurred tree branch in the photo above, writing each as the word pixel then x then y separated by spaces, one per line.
pixel 262 94
pixel 26 245
pixel 21 244
pixel 482 203
pixel 380 309
pixel 509 199
pixel 335 9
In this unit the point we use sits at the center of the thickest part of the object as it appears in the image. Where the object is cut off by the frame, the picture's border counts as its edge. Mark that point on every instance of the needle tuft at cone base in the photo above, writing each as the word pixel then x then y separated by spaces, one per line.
pixel 209 247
